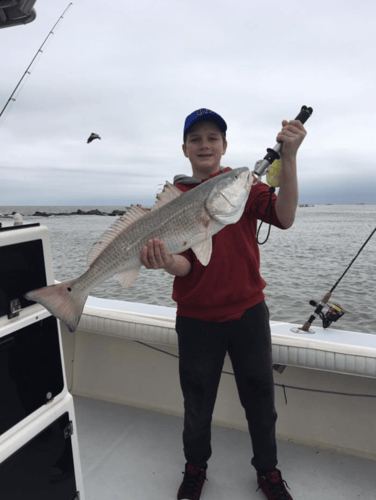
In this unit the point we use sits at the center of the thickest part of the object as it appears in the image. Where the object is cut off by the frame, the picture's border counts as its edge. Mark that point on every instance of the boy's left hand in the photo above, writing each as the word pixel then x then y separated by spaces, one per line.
pixel 291 135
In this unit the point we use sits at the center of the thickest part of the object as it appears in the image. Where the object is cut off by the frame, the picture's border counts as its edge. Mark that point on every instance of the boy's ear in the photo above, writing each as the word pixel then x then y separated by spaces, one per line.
pixel 224 147
pixel 184 146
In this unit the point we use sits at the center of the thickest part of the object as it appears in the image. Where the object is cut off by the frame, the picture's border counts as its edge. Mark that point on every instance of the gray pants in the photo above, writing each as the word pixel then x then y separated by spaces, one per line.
pixel 202 349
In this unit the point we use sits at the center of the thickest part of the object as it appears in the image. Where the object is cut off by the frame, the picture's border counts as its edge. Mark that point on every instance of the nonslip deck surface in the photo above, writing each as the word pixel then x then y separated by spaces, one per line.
pixel 133 454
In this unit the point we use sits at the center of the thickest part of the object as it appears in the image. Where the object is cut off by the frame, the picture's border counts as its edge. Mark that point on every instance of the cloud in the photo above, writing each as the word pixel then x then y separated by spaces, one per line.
pixel 132 72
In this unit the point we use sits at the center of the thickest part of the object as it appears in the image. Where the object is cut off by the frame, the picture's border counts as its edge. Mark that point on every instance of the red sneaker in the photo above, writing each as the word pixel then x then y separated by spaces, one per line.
pixel 194 478
pixel 273 486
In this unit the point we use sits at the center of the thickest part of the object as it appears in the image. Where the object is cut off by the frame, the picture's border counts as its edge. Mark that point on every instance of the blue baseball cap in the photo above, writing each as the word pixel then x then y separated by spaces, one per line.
pixel 201 115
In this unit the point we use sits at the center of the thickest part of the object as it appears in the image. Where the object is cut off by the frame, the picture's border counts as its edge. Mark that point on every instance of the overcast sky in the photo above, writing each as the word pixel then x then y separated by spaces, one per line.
pixel 131 71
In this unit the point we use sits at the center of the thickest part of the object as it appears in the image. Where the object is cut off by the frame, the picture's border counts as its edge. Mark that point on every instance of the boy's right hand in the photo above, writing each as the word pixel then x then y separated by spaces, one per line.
pixel 154 255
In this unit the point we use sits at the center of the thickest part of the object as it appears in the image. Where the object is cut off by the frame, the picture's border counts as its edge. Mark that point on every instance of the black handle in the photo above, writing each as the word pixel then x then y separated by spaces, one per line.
pixel 304 114
pixel 274 153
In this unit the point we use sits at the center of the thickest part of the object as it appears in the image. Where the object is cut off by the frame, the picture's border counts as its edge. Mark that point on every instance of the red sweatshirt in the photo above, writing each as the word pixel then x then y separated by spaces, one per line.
pixel 231 283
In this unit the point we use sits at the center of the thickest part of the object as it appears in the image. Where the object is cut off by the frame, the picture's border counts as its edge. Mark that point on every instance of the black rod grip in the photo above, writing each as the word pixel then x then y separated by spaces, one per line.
pixel 304 114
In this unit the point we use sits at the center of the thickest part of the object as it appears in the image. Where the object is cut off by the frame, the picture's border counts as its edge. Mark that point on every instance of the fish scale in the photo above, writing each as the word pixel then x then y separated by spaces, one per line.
pixel 180 220
pixel 126 249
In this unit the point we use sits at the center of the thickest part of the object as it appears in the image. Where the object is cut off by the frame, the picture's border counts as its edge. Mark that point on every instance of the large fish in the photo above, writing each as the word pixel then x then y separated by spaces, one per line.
pixel 180 220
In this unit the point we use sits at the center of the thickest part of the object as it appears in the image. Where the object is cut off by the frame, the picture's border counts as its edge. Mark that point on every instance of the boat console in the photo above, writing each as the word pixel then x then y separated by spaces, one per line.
pixel 39 457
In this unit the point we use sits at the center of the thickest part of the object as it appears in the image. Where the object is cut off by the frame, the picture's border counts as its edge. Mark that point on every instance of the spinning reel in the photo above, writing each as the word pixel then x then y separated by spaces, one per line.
pixel 334 312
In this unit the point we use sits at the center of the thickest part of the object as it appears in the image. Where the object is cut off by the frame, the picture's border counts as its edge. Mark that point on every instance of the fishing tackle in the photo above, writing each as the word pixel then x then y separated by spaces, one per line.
pixel 263 166
pixel 335 311
pixel 332 315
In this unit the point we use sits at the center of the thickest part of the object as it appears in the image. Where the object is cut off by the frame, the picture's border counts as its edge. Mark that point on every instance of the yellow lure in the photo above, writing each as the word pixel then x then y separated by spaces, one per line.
pixel 272 177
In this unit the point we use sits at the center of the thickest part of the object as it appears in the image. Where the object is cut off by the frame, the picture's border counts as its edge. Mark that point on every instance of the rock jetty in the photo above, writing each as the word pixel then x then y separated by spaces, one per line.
pixel 114 213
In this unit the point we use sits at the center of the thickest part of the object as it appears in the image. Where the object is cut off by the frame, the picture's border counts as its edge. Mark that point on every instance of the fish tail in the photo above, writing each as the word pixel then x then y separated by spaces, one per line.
pixel 65 301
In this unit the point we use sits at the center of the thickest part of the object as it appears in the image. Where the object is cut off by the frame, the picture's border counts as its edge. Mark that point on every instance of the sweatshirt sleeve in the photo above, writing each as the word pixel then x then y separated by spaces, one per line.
pixel 188 255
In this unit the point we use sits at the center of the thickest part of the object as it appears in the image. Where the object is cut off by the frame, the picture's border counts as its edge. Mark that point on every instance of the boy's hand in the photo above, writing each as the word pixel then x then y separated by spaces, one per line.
pixel 154 255
pixel 291 135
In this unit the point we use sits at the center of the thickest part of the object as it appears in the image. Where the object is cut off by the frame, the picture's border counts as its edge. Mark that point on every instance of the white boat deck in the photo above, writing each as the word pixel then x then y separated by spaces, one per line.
pixel 130 453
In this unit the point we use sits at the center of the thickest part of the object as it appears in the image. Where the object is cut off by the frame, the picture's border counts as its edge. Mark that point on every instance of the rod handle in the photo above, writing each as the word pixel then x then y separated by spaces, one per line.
pixel 306 326
pixel 304 114
pixel 274 154
pixel 262 166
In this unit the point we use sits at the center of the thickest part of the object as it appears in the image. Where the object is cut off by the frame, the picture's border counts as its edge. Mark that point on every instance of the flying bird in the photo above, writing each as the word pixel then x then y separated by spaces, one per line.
pixel 92 137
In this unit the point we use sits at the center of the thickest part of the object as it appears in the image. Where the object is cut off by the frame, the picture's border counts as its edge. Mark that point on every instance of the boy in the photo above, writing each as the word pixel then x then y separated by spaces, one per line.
pixel 221 307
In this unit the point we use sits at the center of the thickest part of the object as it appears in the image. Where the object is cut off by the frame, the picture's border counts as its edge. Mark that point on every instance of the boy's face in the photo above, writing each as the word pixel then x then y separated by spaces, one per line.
pixel 204 147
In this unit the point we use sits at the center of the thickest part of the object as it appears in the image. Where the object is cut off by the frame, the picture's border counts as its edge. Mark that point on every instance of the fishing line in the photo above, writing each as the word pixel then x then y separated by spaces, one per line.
pixel 269 209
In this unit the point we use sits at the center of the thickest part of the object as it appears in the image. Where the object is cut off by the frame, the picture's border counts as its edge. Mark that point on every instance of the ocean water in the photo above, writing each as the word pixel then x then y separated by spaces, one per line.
pixel 298 264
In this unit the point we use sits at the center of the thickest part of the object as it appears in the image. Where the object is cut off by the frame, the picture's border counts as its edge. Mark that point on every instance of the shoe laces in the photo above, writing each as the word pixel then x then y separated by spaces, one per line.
pixel 277 485
pixel 192 478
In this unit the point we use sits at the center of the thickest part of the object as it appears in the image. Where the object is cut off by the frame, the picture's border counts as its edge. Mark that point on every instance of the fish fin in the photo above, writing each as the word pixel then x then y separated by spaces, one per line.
pixel 64 301
pixel 203 251
pixel 127 277
pixel 134 214
pixel 169 193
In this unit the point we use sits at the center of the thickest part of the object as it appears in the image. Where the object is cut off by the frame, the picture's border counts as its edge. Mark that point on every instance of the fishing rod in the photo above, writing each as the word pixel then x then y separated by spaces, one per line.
pixel 271 161
pixel 27 72
pixel 262 167
pixel 335 311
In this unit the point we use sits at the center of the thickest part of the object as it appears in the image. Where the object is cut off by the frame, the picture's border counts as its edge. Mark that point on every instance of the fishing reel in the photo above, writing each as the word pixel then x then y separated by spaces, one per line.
pixel 334 312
